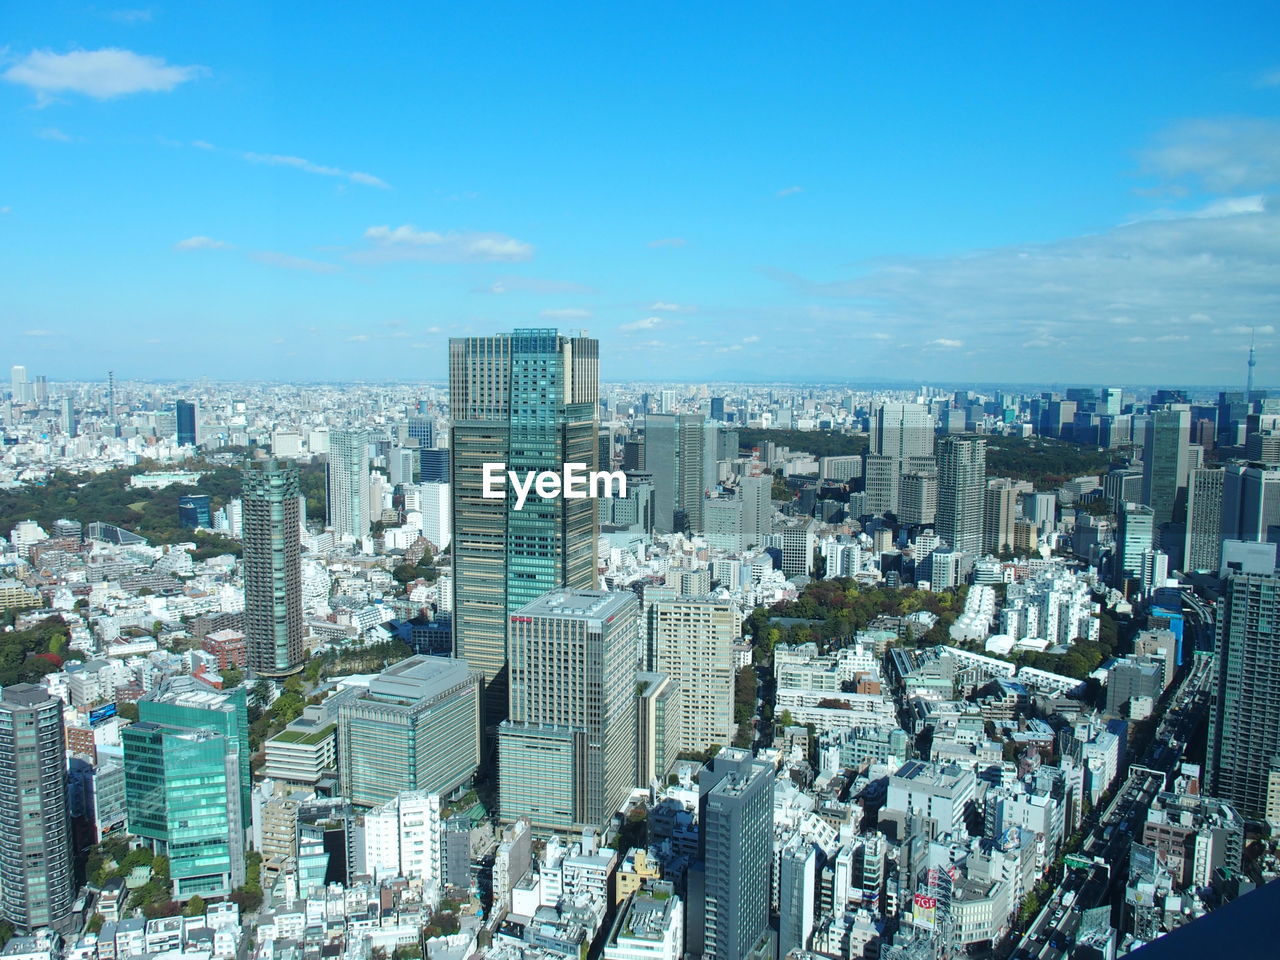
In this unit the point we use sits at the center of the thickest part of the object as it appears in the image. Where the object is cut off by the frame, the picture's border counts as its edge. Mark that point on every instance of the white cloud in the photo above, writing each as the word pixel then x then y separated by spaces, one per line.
pixel 531 285
pixel 4 210
pixel 201 243
pixel 1264 329
pixel 648 323
pixel 1269 78
pixel 407 242
pixel 1075 296
pixel 732 348
pixel 751 339
pixel 790 191
pixel 880 335
pixel 301 163
pixel 202 144
pixel 287 262
pixel 53 133
pixel 665 306
pixel 102 74
pixel 1224 155
pixel 668 242
pixel 38 333
pixel 357 338
pixel 568 313
pixel 946 343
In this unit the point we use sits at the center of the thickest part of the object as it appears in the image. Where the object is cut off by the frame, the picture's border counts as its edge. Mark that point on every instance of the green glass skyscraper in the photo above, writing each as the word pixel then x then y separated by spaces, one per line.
pixel 528 400
pixel 187 783
pixel 272 568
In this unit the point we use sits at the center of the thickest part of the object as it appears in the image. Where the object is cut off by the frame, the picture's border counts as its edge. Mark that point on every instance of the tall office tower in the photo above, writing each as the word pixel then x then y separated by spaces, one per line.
pixel 1250 501
pixel 41 392
pixel 1203 546
pixel 527 399
pixel 566 756
pixel 19 387
pixel 1244 713
pixel 1263 447
pixel 1233 411
pixel 881 476
pixel 185 417
pixel 1122 485
pixel 1000 508
pixel 691 640
pixel 111 396
pixel 1165 460
pixel 187 785
pixel 422 429
pixel 902 430
pixel 271 525
pixel 36 882
pixel 434 502
pixel 1112 400
pixel 433 466
pixel 918 498
pixel 722 522
pixel 730 882
pixel 673 455
pixel 668 401
pixel 68 417
pixel 962 481
pixel 1134 538
pixel 416 727
pixel 797 893
pixel 717 409
pixel 757 509
pixel 349 509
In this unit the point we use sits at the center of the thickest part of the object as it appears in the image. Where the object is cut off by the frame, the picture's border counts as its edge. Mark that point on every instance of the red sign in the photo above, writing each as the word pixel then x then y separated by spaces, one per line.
pixel 926 902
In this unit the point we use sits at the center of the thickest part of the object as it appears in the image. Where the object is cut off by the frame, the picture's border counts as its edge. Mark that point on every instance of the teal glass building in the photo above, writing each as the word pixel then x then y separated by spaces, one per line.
pixel 187 783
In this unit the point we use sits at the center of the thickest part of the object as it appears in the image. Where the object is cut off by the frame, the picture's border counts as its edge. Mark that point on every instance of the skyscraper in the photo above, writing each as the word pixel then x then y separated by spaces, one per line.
pixel 185 416
pixel 527 399
pixel 1204 519
pixel 574 656
pixel 36 883
pixel 19 386
pixel 68 417
pixel 272 568
pixel 1000 509
pixel 1165 462
pixel 1244 714
pixel 962 481
pixel 348 483
pixel 674 455
pixel 1133 539
pixel 729 885
pixel 1250 501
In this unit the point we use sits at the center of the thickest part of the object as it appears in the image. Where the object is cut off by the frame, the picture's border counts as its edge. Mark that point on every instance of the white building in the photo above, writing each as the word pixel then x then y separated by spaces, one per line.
pixel 405 838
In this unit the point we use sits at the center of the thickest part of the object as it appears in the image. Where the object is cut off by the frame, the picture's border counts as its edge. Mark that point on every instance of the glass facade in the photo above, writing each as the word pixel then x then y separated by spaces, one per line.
pixel 272 569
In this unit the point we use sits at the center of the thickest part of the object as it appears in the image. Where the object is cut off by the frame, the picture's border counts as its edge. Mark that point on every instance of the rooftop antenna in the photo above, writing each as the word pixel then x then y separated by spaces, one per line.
pixel 1253 362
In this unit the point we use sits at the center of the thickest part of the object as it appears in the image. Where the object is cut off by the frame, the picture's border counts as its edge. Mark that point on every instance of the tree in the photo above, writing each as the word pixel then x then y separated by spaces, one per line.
pixel 95 923
pixel 232 677
pixel 195 907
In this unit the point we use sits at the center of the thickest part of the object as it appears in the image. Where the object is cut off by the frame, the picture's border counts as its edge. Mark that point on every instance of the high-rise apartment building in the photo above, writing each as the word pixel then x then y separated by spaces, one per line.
pixel 1244 714
pixel 962 481
pixel 729 885
pixel 272 568
pixel 69 425
pixel 416 727
pixel 528 399
pixel 1000 512
pixel 1203 548
pixel 691 641
pixel 674 447
pixel 185 420
pixel 37 886
pixel 19 385
pixel 573 661
pixel 347 475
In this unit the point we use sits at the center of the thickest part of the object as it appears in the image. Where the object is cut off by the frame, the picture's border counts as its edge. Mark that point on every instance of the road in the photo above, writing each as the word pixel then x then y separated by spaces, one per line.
pixel 1053 933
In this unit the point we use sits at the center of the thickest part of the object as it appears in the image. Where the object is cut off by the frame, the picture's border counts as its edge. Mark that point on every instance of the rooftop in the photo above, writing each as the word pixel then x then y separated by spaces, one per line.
pixel 593 605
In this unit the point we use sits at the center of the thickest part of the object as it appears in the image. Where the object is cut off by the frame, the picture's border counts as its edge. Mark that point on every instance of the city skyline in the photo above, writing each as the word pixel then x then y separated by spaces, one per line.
pixel 165 180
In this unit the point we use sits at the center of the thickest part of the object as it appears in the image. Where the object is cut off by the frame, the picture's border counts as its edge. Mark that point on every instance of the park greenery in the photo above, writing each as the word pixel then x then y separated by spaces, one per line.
pixel 27 655
pixel 820 443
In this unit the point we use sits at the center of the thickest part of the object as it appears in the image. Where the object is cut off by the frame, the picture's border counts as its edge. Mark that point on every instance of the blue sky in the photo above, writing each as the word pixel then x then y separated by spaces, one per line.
pixel 1034 192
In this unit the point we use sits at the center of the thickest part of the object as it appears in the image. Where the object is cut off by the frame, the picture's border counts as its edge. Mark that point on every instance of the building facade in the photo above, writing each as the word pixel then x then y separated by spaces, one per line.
pixel 272 548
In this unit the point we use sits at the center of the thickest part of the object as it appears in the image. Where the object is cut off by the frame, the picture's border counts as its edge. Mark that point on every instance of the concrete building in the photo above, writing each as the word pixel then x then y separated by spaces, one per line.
pixel 649 926
pixel 691 641
pixel 416 727
pixel 729 883
pixel 37 885
pixel 940 794
pixel 962 477
pixel 574 655
pixel 405 838
pixel 272 568
pixel 657 726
